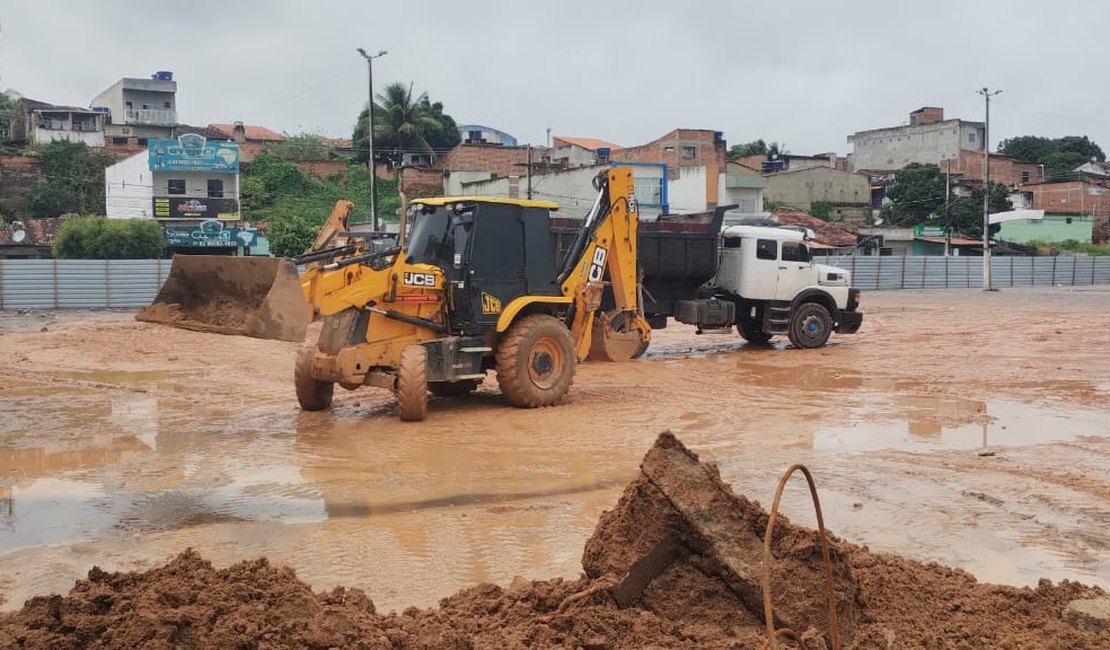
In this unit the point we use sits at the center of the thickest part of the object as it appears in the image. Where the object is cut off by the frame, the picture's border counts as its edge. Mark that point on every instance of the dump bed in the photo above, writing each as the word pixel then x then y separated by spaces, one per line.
pixel 677 255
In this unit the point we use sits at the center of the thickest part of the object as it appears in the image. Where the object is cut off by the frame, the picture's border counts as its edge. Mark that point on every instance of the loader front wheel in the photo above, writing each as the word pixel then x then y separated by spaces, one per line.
pixel 536 362
pixel 312 394
pixel 412 383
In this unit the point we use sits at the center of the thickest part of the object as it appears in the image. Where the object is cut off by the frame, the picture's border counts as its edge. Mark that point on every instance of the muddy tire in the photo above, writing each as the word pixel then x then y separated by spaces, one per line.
pixel 412 383
pixel 454 388
pixel 810 326
pixel 752 333
pixel 312 394
pixel 536 362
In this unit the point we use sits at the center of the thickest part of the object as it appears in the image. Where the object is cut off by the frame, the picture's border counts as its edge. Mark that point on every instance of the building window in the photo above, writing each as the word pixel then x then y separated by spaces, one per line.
pixel 971 136
pixel 129 105
pixel 146 107
pixel 119 140
pixel 1024 177
pixel 165 104
pixel 215 188
pixel 142 142
pixel 689 151
pixel 176 186
pixel 766 249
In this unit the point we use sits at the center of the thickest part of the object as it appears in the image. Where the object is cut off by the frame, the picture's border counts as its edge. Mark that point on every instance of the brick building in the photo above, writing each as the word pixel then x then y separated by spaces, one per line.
pixel 927 139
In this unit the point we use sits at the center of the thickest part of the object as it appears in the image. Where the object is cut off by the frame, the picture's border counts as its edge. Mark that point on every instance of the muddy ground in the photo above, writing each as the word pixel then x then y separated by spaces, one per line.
pixel 957 427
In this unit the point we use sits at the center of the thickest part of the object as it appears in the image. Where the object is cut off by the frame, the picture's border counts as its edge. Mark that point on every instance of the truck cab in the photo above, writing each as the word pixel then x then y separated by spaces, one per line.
pixel 770 275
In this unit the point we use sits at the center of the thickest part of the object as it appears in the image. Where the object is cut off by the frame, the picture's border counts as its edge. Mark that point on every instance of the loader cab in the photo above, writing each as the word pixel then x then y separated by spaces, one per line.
pixel 491 250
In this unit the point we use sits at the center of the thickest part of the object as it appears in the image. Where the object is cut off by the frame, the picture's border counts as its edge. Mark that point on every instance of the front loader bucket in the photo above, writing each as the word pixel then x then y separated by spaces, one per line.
pixel 249 296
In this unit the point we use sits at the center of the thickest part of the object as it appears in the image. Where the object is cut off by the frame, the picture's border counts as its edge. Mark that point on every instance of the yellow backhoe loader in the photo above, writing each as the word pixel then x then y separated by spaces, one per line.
pixel 473 286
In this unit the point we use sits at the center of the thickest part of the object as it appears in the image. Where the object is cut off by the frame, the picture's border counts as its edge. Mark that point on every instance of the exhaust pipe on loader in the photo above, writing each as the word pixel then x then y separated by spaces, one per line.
pixel 249 296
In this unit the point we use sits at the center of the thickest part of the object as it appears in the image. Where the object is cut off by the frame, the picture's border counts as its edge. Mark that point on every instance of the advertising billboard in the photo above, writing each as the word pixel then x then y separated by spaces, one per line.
pixel 181 207
pixel 209 234
pixel 193 153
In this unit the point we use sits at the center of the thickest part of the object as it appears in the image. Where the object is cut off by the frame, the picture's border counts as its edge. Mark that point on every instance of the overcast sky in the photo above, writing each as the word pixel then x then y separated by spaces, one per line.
pixel 807 73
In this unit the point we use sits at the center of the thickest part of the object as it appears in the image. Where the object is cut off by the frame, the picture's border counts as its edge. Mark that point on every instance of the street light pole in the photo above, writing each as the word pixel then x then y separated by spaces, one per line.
pixel 370 135
pixel 947 212
pixel 987 94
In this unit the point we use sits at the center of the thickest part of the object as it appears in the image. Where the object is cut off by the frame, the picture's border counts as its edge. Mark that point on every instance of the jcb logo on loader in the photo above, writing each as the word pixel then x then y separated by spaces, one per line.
pixel 490 304
pixel 597 266
pixel 419 279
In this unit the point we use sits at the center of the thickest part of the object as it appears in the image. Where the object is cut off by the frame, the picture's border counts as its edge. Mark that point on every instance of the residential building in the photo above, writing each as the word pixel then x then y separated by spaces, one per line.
pixel 790 161
pixel 30 239
pixel 847 194
pixel 252 139
pixel 1089 196
pixel 687 148
pixel 479 134
pixel 927 139
pixel 37 123
pixel 569 151
pixel 139 109
pixel 190 185
pixel 1052 228
pixel 467 163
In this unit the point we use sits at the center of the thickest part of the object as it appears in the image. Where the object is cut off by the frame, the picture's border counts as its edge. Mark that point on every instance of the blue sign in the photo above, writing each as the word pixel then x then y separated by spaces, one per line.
pixel 193 153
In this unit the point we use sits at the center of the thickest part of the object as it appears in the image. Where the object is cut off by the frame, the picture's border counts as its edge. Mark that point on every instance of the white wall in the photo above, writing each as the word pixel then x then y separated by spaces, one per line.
pixel 687 191
pixel 572 189
pixel 128 188
pixel 897 147
pixel 91 138
pixel 749 199
pixel 455 181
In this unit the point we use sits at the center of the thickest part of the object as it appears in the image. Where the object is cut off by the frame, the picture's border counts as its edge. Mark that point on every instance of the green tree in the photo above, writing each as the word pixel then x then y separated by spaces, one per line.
pixel 404 122
pixel 8 100
pixel 820 209
pixel 967 211
pixel 103 238
pixel 1060 156
pixel 290 237
pixel 753 148
pixel 73 180
pixel 918 192
pixel 305 146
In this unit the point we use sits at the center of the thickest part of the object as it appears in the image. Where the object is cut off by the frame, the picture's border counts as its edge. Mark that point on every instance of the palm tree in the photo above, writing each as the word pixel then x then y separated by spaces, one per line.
pixel 402 121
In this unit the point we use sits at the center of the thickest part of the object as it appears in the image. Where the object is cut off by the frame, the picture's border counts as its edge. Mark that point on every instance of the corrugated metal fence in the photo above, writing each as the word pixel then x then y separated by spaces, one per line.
pixel 80 284
pixel 96 284
pixel 926 272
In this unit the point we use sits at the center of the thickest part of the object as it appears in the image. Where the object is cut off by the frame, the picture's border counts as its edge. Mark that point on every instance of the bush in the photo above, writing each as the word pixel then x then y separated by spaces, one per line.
pixel 98 238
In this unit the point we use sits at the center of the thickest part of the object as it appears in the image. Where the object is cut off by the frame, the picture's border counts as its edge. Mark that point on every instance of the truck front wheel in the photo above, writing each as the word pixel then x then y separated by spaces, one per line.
pixel 810 326
pixel 752 332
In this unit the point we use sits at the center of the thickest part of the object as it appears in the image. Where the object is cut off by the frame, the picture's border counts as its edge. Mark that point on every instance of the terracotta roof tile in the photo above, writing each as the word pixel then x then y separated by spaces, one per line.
pixel 40 232
pixel 593 144
pixel 250 132
pixel 825 232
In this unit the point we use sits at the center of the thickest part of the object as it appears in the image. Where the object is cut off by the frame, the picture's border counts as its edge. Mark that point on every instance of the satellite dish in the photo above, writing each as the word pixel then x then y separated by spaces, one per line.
pixel 19 235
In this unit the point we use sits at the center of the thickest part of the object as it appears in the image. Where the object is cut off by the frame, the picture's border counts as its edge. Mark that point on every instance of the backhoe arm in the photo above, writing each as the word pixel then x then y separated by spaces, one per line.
pixel 605 248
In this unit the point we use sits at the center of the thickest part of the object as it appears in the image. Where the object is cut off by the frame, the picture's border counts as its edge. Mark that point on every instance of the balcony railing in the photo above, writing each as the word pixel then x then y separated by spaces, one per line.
pixel 150 116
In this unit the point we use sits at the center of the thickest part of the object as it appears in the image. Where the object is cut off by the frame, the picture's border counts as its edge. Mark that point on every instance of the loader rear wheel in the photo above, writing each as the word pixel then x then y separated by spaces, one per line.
pixel 454 388
pixel 810 326
pixel 752 333
pixel 536 362
pixel 412 383
pixel 312 394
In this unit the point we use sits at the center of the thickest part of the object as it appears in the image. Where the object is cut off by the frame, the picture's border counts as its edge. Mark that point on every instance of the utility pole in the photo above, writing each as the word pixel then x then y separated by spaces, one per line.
pixel 987 94
pixel 529 171
pixel 370 136
pixel 947 212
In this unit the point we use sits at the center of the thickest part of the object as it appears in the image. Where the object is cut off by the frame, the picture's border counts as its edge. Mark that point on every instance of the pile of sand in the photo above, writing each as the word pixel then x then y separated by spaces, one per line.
pixel 694 598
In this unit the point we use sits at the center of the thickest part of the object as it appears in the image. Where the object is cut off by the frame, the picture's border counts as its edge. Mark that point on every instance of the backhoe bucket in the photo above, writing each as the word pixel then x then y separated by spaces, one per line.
pixel 617 337
pixel 249 296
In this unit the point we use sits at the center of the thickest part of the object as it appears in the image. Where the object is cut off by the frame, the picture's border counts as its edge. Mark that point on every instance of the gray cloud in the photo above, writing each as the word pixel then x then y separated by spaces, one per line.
pixel 805 72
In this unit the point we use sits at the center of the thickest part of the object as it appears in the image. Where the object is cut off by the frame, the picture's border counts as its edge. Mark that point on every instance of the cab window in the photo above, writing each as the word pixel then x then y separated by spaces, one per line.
pixel 794 251
pixel 766 249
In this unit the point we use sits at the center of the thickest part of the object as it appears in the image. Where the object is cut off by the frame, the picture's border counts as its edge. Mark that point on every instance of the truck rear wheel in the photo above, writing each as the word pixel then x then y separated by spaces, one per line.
pixel 312 394
pixel 752 332
pixel 536 362
pixel 810 326
pixel 454 388
pixel 412 383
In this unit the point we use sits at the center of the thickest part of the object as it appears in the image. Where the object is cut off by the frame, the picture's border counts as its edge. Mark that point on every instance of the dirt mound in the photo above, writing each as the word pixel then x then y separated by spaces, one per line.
pixel 670 567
